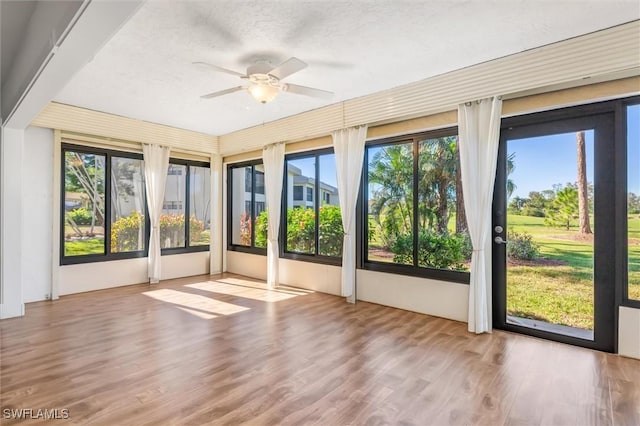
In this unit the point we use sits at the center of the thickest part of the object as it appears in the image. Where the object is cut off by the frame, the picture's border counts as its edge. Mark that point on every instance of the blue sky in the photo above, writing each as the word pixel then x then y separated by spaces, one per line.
pixel 544 161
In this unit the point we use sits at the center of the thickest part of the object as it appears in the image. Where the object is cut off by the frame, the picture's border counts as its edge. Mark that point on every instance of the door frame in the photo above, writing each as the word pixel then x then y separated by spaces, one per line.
pixel 601 118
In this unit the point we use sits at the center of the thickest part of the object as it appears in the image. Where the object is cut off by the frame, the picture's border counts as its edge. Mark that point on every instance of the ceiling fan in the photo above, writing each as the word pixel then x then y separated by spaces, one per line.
pixel 265 81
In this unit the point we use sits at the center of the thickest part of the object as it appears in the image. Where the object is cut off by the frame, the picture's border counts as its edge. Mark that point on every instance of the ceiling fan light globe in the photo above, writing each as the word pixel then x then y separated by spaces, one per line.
pixel 263 93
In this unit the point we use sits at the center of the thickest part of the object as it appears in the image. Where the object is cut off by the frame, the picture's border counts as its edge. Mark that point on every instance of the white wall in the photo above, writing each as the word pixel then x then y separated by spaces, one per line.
pixel 438 298
pixel 442 299
pixel 312 276
pixel 250 265
pixel 37 208
pixel 10 235
pixel 629 332
pixel 100 275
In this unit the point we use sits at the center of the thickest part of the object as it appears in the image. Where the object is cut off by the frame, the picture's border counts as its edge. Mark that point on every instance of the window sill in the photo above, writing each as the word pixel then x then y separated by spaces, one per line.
pixel 249 250
pixel 414 271
pixel 311 258
pixel 631 303
pixel 183 250
pixel 94 258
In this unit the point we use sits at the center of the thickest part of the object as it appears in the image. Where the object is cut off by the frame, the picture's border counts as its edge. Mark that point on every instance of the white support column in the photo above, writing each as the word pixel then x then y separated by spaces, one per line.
pixel 217 231
pixel 11 223
pixel 57 197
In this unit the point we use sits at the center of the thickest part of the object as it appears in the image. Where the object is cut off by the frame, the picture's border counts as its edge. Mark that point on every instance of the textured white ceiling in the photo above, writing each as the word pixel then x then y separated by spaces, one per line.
pixel 353 48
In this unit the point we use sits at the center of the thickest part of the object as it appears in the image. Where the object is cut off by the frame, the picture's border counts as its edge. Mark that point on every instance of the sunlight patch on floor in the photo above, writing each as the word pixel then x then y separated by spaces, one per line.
pixel 260 285
pixel 259 294
pixel 199 314
pixel 201 306
pixel 249 293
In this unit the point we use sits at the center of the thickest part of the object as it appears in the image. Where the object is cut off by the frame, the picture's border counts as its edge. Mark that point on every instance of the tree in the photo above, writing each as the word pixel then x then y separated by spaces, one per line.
pixel 516 205
pixel 511 166
pixel 391 203
pixel 123 171
pixel 633 203
pixel 537 203
pixel 583 196
pixel 461 215
pixel 84 173
pixel 437 178
pixel 564 208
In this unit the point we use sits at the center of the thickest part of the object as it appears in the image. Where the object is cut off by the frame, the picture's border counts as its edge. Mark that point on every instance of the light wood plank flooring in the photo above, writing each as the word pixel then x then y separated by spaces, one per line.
pixel 223 350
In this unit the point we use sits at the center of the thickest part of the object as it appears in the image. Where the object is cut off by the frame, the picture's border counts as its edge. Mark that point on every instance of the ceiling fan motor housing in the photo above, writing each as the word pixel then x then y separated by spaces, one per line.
pixel 260 67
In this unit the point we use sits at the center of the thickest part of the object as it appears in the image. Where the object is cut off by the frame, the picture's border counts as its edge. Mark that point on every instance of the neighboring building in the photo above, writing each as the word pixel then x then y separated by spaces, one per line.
pixel 301 191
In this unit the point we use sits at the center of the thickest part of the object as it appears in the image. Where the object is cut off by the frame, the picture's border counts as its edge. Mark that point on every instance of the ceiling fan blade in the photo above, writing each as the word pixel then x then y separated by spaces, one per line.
pixel 288 67
pixel 222 92
pixel 307 91
pixel 220 69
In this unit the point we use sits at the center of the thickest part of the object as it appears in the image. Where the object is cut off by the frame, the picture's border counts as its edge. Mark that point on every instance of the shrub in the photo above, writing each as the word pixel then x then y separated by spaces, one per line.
pixel 172 228
pixel 330 231
pixel 196 230
pixel 521 246
pixel 301 230
pixel 261 229
pixel 440 251
pixel 125 233
pixel 467 246
pixel 533 211
pixel 245 229
pixel 80 216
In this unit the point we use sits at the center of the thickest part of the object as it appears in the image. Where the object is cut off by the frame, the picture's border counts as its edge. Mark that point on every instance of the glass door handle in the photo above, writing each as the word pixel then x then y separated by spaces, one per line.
pixel 499 240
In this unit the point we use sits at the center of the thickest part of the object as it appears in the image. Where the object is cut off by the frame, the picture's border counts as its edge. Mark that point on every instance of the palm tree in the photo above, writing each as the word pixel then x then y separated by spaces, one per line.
pixel 437 174
pixel 391 173
pixel 511 166
pixel 583 195
pixel 564 208
pixel 461 216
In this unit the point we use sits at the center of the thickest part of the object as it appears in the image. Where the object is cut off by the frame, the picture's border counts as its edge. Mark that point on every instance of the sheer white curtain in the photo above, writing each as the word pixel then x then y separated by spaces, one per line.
pixel 156 165
pixel 479 132
pixel 273 159
pixel 348 145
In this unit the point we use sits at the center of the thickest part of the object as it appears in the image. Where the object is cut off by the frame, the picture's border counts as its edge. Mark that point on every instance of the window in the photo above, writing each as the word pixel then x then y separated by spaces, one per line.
pixel 247 210
pixel 199 206
pixel 172 205
pixel 128 205
pixel 88 214
pixel 84 203
pixel 248 180
pixel 192 178
pixel 311 231
pixel 410 190
pixel 326 197
pixel 633 202
pixel 259 180
pixel 172 229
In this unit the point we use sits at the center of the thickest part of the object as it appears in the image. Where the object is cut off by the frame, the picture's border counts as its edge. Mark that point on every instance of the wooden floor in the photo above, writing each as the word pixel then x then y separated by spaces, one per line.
pixel 223 350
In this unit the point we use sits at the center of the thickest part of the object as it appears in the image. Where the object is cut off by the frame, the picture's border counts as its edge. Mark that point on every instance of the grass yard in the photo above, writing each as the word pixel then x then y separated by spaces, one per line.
pixel 84 246
pixel 561 292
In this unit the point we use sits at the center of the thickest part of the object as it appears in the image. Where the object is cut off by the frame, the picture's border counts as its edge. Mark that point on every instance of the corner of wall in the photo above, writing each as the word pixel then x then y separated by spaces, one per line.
pixel 629 332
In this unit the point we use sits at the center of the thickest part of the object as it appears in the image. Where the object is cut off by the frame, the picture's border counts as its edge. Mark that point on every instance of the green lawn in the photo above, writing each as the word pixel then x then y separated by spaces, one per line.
pixel 561 293
pixel 87 246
